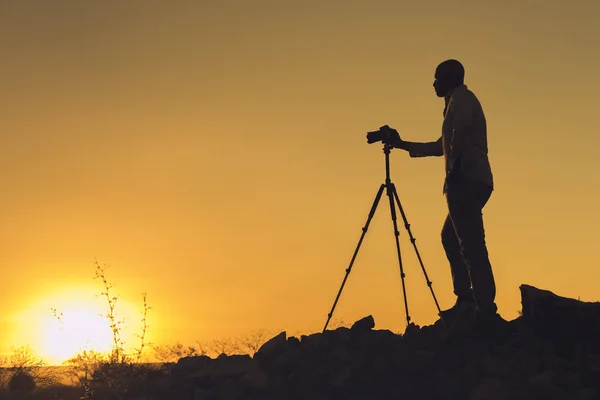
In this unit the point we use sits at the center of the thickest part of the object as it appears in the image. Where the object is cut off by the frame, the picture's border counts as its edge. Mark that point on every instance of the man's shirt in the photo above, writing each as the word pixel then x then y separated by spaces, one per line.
pixel 464 139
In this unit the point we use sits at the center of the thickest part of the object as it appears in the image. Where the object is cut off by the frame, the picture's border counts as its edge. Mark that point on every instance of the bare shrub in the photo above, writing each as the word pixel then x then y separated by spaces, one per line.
pixel 172 353
pixel 117 373
pixel 21 381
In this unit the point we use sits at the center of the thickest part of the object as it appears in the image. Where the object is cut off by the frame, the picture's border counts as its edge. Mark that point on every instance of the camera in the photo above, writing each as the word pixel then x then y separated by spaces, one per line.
pixel 385 134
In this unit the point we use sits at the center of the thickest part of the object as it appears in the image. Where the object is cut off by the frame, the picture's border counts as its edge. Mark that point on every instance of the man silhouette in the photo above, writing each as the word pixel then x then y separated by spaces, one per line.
pixel 467 187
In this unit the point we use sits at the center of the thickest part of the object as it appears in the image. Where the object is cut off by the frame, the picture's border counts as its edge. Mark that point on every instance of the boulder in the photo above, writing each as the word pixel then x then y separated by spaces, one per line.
pixel 364 325
pixel 556 315
pixel 233 366
pixel 271 349
pixel 192 363
pixel 493 389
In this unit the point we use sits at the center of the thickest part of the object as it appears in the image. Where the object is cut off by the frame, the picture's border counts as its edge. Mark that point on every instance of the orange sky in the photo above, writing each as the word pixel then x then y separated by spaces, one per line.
pixel 214 154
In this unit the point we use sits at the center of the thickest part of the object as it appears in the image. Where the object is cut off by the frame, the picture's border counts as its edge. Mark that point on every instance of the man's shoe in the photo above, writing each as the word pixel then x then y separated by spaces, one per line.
pixel 489 324
pixel 460 309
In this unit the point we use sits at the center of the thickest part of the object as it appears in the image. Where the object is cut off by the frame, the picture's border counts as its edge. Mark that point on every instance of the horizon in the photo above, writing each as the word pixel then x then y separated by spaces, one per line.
pixel 214 156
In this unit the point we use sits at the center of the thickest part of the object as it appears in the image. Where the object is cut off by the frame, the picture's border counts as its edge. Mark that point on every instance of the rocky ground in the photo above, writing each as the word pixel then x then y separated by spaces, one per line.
pixel 551 352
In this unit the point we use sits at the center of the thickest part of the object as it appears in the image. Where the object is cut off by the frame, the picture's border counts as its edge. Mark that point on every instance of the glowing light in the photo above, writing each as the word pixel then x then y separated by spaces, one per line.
pixel 78 329
pixel 81 324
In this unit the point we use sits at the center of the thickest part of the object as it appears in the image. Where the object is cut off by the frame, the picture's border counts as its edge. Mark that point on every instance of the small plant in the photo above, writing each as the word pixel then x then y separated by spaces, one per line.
pixel 172 353
pixel 23 371
pixel 118 353
pixel 250 343
pixel 145 327
pixel 247 344
pixel 85 363
pixel 226 346
pixel 117 373
pixel 338 323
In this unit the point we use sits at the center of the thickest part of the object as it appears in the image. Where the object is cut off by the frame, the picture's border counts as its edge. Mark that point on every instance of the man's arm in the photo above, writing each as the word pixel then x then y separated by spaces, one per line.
pixel 426 149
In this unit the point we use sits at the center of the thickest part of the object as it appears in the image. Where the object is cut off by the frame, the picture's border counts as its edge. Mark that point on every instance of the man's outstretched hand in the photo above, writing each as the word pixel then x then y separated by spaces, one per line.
pixel 391 136
pixel 386 135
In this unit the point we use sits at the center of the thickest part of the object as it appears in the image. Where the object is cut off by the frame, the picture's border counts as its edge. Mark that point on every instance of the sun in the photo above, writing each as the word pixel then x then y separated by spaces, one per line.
pixel 79 328
pixel 81 324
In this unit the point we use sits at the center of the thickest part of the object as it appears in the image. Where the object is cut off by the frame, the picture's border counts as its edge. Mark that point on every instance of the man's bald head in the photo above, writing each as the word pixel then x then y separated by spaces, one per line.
pixel 448 75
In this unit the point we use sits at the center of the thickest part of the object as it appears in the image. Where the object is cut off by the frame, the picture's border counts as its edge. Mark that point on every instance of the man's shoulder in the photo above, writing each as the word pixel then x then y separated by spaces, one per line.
pixel 465 94
pixel 464 98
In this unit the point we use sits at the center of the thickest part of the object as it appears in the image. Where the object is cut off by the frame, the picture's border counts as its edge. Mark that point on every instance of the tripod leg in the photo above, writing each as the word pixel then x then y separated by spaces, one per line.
pixel 362 236
pixel 413 241
pixel 390 191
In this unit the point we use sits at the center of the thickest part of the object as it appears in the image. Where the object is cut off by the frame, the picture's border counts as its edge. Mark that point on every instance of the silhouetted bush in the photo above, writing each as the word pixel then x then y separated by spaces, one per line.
pixel 21 381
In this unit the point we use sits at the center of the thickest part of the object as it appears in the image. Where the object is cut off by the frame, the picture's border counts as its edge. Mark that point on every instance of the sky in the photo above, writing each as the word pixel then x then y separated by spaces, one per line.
pixel 213 154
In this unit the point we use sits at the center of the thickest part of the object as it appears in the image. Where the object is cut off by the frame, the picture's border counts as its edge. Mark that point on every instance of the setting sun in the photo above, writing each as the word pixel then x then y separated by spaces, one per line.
pixel 79 328
pixel 79 324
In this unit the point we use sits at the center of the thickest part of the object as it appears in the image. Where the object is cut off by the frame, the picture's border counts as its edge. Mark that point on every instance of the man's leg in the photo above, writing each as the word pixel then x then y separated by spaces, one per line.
pixel 459 270
pixel 466 200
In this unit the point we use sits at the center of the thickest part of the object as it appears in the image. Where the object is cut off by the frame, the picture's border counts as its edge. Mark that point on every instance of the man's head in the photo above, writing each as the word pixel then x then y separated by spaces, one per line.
pixel 448 75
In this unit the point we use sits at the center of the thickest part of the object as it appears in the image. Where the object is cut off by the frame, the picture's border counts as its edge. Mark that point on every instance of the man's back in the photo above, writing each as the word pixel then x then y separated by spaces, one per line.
pixel 464 137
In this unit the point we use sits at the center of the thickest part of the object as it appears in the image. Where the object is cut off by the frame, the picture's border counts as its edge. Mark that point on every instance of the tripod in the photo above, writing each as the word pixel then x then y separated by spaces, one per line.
pixel 393 197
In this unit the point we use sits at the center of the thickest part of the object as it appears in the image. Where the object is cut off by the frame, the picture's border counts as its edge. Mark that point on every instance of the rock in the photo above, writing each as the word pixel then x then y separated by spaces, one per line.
pixel 364 324
pixel 192 363
pixel 271 349
pixel 543 378
pixel 416 360
pixel 493 389
pixel 293 342
pixel 446 387
pixel 287 361
pixel 230 389
pixel 316 342
pixel 339 335
pixel 497 367
pixel 203 394
pixel 526 362
pixel 542 309
pixel 342 377
pixel 225 367
pixel 425 338
pixel 470 374
pixel 381 341
pixel 588 394
pixel 424 362
pixel 547 391
pixel 256 378
pixel 412 330
pixel 594 363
